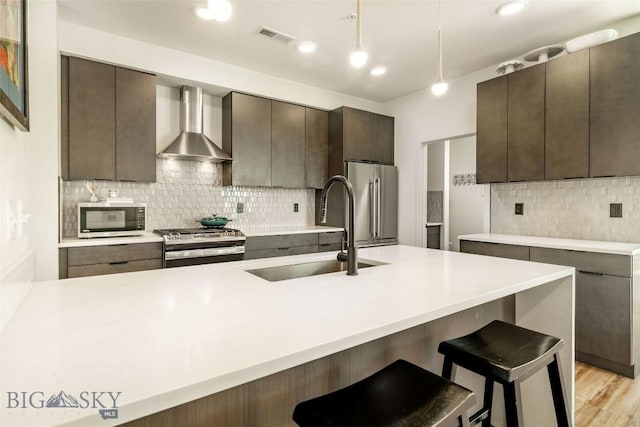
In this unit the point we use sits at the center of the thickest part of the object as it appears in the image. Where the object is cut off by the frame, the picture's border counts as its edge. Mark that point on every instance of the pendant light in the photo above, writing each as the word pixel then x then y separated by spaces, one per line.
pixel 440 87
pixel 358 57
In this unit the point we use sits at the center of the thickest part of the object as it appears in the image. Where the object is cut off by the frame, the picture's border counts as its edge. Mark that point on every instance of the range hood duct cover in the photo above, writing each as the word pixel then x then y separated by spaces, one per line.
pixel 192 143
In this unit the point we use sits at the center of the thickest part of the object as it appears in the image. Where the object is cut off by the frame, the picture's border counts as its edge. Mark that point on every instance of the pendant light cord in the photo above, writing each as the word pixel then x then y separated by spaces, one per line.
pixel 358 45
pixel 440 78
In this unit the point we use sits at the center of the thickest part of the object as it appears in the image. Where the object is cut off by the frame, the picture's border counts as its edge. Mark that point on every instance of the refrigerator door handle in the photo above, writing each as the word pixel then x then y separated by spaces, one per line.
pixel 372 210
pixel 378 207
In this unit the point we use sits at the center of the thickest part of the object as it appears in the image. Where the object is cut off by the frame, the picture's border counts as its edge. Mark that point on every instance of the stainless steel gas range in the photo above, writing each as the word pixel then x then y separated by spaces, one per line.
pixel 191 246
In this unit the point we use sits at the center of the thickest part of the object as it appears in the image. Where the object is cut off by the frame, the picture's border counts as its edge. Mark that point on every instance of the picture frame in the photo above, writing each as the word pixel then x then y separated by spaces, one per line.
pixel 14 82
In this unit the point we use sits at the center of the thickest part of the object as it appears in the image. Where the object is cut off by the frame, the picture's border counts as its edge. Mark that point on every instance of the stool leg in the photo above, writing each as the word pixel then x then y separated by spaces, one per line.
pixel 557 391
pixel 463 421
pixel 513 404
pixel 448 370
pixel 488 401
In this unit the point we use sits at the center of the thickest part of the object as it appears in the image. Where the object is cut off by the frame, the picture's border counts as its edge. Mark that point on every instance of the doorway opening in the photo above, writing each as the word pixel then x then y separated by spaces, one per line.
pixel 452 203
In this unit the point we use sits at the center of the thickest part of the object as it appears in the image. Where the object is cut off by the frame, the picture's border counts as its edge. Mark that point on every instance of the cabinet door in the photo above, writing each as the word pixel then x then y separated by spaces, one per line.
pixel 491 131
pixel 135 126
pixel 567 117
pixel 603 316
pixel 92 119
pixel 525 124
pixel 615 108
pixel 287 145
pixel 249 141
pixel 356 134
pixel 381 138
pixel 316 148
pixel 64 119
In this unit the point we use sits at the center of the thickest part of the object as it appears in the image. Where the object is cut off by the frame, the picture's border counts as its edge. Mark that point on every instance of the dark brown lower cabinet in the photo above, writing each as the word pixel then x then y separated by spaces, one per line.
pixel 605 309
pixel 108 259
pixel 291 244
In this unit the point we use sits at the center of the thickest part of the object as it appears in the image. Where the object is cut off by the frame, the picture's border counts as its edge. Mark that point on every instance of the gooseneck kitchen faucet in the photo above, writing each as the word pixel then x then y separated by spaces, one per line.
pixel 352 256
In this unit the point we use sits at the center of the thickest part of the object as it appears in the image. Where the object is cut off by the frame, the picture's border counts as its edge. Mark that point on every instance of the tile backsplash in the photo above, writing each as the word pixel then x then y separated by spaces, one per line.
pixel 575 209
pixel 434 206
pixel 185 191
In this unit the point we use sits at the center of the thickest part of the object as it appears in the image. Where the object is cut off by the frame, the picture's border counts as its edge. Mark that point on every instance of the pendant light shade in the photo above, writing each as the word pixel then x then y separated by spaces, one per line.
pixel 440 87
pixel 359 56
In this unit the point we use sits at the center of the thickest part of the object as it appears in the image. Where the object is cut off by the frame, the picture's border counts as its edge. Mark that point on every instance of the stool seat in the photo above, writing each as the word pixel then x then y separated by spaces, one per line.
pixel 507 354
pixel 401 394
pixel 503 350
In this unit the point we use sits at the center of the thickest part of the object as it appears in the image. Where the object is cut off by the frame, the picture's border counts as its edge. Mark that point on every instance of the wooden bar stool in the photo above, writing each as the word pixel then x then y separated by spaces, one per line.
pixel 401 394
pixel 507 354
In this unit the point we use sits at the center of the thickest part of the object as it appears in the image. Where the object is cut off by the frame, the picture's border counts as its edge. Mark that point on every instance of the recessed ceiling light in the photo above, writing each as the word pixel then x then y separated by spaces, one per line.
pixel 221 9
pixel 378 71
pixel 307 47
pixel 204 13
pixel 510 7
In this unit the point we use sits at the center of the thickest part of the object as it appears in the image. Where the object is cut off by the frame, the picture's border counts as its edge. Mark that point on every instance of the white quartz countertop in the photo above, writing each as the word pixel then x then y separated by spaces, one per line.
pixel 71 242
pixel 274 231
pixel 166 337
pixel 617 248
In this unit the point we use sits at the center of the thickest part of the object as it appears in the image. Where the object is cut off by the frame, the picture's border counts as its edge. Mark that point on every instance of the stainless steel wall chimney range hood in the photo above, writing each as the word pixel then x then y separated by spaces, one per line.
pixel 192 143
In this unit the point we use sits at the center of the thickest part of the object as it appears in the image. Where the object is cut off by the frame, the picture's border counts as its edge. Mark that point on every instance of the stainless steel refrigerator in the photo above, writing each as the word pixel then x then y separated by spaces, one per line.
pixel 376 202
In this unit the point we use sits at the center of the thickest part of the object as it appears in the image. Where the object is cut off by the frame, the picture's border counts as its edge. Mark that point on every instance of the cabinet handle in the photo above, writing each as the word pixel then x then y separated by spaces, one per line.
pixel 118 262
pixel 591 273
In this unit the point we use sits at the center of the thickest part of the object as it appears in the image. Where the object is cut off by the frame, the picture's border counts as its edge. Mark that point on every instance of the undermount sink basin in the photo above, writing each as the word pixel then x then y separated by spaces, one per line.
pixel 294 271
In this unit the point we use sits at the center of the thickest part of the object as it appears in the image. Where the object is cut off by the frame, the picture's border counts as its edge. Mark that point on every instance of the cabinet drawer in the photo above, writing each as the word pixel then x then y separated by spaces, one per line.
pixel 603 316
pixel 328 247
pixel 274 252
pixel 119 267
pixel 113 253
pixel 615 265
pixel 495 249
pixel 281 241
pixel 328 238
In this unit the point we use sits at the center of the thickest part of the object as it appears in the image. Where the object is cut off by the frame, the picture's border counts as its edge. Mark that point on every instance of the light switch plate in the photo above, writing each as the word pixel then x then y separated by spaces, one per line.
pixel 240 207
pixel 296 207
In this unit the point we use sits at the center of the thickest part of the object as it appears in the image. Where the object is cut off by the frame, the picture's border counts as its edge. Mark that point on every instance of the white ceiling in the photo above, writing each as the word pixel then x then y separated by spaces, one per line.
pixel 400 34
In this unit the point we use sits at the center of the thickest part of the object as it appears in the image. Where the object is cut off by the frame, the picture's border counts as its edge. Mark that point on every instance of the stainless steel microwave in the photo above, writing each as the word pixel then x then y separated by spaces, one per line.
pixel 111 219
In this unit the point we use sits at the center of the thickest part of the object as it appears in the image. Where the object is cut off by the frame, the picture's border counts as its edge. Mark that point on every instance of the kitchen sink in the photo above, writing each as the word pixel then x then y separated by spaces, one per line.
pixel 306 269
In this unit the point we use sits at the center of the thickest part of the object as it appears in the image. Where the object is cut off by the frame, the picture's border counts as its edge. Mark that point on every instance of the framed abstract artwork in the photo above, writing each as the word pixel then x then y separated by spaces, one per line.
pixel 14 87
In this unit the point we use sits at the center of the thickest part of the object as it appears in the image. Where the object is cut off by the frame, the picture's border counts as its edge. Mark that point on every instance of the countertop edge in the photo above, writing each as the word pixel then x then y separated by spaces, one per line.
pixel 595 246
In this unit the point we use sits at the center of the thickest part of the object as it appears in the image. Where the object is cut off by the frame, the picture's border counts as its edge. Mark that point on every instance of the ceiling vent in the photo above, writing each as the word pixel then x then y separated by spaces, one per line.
pixel 275 35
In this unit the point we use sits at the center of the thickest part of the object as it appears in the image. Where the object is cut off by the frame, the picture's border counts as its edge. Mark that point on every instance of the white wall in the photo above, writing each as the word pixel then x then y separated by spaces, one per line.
pixel 421 117
pixel 29 163
pixel 77 40
pixel 468 204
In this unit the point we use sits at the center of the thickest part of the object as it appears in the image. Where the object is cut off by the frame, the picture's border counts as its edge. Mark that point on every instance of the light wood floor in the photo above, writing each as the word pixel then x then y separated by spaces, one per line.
pixel 605 399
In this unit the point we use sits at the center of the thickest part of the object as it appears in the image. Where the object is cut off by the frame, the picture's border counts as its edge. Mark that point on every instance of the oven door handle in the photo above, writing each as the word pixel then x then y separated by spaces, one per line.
pixel 199 253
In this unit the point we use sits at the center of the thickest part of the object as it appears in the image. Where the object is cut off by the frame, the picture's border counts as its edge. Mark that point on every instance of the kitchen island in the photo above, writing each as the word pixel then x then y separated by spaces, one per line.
pixel 214 342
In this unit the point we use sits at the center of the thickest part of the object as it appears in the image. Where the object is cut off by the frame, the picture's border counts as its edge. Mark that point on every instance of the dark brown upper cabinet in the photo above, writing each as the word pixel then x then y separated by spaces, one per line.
pixel 246 136
pixel 316 148
pixel 359 135
pixel 108 122
pixel 135 138
pixel 491 134
pixel 92 120
pixel 288 128
pixel 381 138
pixel 567 117
pixel 615 108
pixel 525 124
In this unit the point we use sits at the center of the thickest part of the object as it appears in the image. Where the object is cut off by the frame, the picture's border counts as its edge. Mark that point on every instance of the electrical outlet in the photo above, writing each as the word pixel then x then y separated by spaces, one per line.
pixel 296 207
pixel 240 207
pixel 615 210
pixel 519 208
